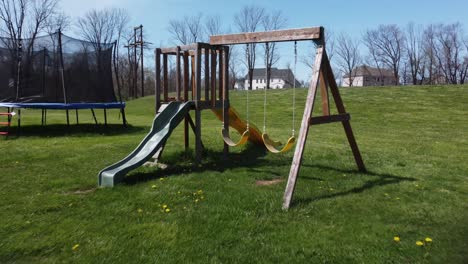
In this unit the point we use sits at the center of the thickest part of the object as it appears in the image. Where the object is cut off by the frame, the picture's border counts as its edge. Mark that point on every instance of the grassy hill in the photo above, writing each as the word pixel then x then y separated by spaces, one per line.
pixel 414 141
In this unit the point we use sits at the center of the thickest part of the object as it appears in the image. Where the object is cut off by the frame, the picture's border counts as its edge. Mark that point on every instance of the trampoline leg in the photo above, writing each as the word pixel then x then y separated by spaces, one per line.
pixel 94 116
pixel 45 116
pixel 76 113
pixel 105 117
pixel 42 117
pixel 68 118
pixel 124 120
pixel 19 122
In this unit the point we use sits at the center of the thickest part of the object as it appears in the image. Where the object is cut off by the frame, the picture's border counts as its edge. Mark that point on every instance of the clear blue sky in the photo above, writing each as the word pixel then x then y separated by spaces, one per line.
pixel 349 16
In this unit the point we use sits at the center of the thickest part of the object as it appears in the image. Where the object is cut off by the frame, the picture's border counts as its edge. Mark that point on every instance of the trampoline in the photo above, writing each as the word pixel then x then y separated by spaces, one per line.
pixel 57 72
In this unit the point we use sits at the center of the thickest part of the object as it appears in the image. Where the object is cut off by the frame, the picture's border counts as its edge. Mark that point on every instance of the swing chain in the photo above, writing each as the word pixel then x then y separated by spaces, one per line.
pixel 294 90
pixel 267 53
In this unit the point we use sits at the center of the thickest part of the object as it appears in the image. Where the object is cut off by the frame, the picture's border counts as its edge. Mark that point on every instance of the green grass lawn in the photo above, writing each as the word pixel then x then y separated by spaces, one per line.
pixel 414 141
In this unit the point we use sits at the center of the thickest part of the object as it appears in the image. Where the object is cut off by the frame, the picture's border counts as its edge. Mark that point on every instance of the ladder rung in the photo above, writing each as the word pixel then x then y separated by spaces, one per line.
pixel 6 114
pixel 5 123
pixel 3 133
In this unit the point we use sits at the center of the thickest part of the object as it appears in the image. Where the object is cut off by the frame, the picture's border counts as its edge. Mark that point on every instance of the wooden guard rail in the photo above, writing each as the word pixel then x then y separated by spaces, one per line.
pixel 191 61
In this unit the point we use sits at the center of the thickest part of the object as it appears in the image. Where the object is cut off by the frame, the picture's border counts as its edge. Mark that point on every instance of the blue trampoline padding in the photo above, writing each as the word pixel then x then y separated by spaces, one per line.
pixel 112 105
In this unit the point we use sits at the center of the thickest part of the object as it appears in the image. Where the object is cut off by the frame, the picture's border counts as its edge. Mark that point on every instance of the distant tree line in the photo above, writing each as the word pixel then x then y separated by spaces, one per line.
pixel 416 54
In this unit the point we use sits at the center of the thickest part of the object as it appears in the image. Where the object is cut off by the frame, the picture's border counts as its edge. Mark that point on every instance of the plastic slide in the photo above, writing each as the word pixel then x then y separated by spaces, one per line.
pixel 240 125
pixel 163 124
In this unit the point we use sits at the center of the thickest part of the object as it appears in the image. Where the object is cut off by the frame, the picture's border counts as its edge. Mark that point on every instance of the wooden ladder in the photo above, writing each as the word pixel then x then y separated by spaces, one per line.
pixel 5 124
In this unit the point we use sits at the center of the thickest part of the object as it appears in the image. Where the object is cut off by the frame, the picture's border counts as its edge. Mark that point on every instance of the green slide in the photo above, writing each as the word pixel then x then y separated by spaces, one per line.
pixel 163 124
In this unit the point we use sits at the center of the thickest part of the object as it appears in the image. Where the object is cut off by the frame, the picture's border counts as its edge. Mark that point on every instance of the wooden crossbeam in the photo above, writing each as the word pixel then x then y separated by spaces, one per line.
pixel 313 33
pixel 317 120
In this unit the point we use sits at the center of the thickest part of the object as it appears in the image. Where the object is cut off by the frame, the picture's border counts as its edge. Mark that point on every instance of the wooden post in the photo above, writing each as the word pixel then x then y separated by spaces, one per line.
pixel 213 77
pixel 186 76
pixel 197 89
pixel 165 78
pixel 192 59
pixel 157 87
pixel 341 109
pixel 226 95
pixel 207 74
pixel 178 73
pixel 302 138
pixel 220 72
pixel 186 89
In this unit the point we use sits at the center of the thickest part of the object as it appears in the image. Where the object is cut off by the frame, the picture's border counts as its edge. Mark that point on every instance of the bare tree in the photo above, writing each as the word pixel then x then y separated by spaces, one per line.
pixel 103 26
pixel 249 19
pixel 348 56
pixel 187 30
pixel 415 54
pixel 429 46
pixel 58 21
pixel 213 26
pixel 272 21
pixel 449 46
pixel 373 57
pixel 25 19
pixel 386 46
pixel 12 15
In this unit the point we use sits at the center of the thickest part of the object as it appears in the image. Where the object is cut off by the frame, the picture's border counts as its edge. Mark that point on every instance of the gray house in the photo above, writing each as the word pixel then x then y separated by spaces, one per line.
pixel 368 76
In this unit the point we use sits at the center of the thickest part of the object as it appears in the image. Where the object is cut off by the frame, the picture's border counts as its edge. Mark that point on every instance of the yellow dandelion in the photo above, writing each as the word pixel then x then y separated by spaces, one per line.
pixel 161 179
pixel 202 197
pixel 140 210
pixel 386 194
pixel 428 240
pixel 199 192
pixel 75 247
pixel 178 192
pixel 419 243
pixel 154 186
pixel 396 238
pixel 164 206
pixel 229 180
pixel 331 189
pixel 167 210
pixel 398 198
pixel 196 200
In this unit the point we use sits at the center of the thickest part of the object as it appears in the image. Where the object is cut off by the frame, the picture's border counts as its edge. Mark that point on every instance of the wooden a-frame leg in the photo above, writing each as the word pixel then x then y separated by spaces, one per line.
pixel 324 94
pixel 341 109
pixel 324 72
pixel 302 137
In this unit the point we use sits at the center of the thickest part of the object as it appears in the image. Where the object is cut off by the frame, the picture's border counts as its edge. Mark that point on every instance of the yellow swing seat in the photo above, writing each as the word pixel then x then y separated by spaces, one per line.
pixel 271 145
pixel 231 143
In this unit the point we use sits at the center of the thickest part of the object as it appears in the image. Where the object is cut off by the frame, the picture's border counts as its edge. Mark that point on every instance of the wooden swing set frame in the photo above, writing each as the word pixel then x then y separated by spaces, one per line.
pixel 322 76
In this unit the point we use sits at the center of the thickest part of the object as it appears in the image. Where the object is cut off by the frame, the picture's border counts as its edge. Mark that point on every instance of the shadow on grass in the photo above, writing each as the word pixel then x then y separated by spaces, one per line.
pixel 212 161
pixel 380 180
pixel 58 130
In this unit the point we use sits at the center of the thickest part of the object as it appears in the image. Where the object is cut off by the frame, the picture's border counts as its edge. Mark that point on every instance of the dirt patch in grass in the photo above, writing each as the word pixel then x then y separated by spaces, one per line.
pixel 81 192
pixel 268 182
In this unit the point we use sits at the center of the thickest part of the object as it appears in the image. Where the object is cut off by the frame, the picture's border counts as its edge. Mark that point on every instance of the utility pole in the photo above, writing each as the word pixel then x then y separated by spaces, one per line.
pixel 136 60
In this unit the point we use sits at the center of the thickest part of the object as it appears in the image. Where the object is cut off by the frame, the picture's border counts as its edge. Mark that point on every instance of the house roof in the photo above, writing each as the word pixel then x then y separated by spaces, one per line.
pixel 365 70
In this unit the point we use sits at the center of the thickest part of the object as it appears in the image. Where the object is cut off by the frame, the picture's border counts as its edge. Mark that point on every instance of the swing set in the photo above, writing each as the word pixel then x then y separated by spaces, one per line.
pixel 214 59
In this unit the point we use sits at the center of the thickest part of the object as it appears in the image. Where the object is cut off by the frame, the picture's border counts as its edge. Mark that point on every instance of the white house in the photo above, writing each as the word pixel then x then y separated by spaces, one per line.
pixel 279 79
pixel 368 76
